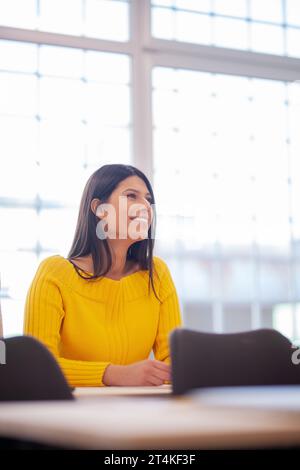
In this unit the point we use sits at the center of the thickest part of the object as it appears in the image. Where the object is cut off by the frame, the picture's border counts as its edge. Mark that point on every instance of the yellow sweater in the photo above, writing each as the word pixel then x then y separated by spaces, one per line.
pixel 88 325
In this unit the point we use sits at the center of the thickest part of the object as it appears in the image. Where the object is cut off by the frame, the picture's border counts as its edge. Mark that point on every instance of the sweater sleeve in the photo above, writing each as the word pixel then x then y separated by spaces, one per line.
pixel 169 316
pixel 44 314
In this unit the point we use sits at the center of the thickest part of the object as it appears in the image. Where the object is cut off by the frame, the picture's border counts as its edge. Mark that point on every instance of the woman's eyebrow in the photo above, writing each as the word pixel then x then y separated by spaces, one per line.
pixel 135 190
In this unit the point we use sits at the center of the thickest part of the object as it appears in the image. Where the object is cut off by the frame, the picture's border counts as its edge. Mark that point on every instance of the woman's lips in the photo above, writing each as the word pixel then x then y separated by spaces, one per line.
pixel 140 219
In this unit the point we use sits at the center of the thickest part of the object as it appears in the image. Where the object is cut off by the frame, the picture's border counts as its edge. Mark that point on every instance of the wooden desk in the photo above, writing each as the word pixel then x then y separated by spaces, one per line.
pixel 88 392
pixel 207 420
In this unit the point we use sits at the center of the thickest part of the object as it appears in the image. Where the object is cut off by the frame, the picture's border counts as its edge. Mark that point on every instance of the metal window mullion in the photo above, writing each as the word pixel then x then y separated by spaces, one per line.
pixel 141 87
pixel 222 60
pixel 56 39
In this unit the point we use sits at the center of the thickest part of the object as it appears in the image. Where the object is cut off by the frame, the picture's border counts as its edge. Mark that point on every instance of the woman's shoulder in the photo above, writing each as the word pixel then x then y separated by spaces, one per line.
pixel 166 283
pixel 53 265
pixel 160 266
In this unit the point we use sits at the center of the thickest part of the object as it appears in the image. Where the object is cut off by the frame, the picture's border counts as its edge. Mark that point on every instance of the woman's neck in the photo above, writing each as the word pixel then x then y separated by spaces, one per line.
pixel 120 265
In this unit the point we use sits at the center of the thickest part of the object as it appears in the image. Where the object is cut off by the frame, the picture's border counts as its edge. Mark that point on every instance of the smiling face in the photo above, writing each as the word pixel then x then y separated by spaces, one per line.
pixel 127 213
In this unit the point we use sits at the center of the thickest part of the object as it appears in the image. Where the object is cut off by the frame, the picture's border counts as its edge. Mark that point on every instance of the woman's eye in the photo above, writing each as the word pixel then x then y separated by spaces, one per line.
pixel 134 196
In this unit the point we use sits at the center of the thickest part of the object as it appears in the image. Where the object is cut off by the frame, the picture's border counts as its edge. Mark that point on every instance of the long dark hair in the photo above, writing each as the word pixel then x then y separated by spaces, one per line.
pixel 100 185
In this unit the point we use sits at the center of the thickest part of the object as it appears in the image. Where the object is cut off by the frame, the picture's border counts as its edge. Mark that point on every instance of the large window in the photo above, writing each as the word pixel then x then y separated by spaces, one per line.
pixel 268 26
pixel 229 148
pixel 106 19
pixel 57 126
pixel 204 96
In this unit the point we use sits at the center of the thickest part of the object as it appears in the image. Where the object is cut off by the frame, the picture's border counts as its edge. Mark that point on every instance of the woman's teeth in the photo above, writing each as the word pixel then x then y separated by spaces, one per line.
pixel 141 219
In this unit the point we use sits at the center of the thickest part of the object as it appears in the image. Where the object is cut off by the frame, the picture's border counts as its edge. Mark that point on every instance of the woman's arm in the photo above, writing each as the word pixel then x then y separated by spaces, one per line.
pixel 44 314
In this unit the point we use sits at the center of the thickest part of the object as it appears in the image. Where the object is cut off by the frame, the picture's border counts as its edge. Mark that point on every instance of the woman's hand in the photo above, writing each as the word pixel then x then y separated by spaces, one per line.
pixel 147 372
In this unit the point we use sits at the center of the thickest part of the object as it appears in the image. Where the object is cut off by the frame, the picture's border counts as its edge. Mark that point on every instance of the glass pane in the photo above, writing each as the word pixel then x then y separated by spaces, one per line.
pixel 297 279
pixel 293 42
pixel 18 13
pixel 50 235
pixel 61 61
pixel 163 3
pixel 15 283
pixel 98 102
pixel 294 119
pixel 13 312
pixel 237 317
pixel 164 78
pixel 107 19
pixel 102 67
pixel 17 56
pixel 220 170
pixel 199 286
pixel 163 23
pixel 60 98
pixel 21 151
pixel 61 16
pixel 18 228
pixel 267 38
pixel 283 320
pixel 109 145
pixel 62 187
pixel 163 105
pixel 194 5
pixel 167 148
pixel 231 7
pixel 220 23
pixel 57 127
pixel 18 94
pixel 192 27
pixel 293 12
pixel 23 187
pixel 267 10
pixel 61 146
pixel 230 33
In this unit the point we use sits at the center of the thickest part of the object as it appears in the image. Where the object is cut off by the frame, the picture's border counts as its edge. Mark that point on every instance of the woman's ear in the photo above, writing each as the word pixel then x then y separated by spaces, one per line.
pixel 99 212
pixel 96 207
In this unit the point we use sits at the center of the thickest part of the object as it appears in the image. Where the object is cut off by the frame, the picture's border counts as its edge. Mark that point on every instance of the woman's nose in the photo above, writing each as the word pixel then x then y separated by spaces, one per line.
pixel 144 212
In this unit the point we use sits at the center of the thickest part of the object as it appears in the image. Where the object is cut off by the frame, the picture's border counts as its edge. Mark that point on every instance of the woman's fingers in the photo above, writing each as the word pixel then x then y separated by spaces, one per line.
pixel 154 380
pixel 161 365
pixel 161 374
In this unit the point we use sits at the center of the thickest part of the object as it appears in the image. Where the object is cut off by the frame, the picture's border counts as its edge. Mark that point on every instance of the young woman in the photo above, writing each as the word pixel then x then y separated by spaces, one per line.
pixel 103 309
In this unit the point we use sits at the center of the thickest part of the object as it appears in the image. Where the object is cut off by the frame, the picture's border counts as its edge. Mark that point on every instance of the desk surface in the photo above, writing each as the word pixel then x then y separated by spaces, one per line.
pixel 209 419
pixel 87 392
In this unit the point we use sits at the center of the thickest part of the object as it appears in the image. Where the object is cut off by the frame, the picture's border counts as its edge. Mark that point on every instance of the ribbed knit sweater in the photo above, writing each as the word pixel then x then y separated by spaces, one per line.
pixel 89 324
